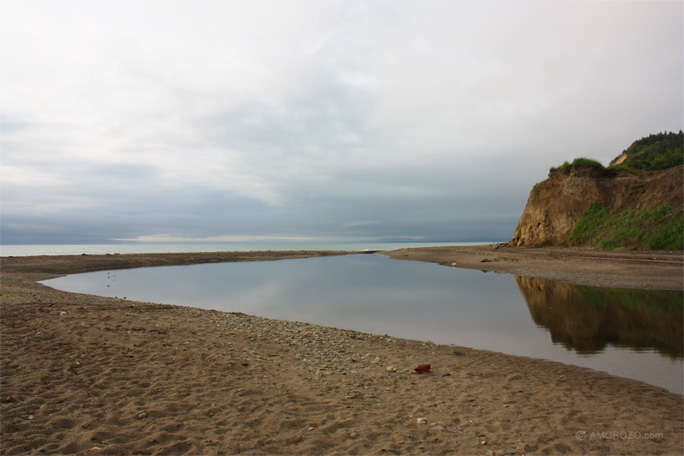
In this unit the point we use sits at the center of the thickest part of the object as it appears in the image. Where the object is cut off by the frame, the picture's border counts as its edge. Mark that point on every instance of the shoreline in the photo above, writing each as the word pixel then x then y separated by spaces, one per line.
pixel 95 375
pixel 648 270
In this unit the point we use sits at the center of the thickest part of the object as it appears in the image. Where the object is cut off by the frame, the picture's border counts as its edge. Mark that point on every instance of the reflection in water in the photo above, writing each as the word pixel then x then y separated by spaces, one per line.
pixel 414 300
pixel 587 319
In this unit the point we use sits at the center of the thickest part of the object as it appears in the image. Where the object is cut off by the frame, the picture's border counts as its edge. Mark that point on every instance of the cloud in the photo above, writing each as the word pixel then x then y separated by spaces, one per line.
pixel 197 120
pixel 167 238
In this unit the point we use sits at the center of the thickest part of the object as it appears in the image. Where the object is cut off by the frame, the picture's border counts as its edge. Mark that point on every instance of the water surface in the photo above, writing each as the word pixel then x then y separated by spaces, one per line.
pixel 630 333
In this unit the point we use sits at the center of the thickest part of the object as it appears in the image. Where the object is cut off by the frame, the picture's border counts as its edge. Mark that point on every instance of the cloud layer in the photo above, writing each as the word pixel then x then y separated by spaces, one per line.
pixel 209 119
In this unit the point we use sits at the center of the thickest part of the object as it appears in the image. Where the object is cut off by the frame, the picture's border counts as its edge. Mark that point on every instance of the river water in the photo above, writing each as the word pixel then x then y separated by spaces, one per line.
pixel 629 333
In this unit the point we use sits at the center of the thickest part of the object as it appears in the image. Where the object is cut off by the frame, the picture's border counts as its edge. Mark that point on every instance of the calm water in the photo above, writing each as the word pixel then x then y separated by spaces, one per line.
pixel 630 333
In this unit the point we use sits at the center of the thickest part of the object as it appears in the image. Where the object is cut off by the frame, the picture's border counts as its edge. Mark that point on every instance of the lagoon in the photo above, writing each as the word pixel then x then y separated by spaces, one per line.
pixel 629 333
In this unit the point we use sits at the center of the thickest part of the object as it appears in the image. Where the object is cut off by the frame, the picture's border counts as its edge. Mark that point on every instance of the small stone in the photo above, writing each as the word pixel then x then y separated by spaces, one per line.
pixel 376 360
pixel 421 420
pixel 297 438
pixel 310 428
pixel 142 415
pixel 62 314
pixel 391 369
pixel 30 417
pixel 353 435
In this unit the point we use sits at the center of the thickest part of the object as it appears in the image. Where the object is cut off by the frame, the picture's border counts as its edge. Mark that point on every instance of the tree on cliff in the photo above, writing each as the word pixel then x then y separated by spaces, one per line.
pixel 653 153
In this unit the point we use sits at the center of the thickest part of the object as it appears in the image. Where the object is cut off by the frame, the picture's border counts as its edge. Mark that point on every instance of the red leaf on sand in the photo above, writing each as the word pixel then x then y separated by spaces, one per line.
pixel 422 368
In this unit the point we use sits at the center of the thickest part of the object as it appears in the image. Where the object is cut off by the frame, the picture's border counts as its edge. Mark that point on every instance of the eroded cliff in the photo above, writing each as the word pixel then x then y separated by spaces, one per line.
pixel 556 204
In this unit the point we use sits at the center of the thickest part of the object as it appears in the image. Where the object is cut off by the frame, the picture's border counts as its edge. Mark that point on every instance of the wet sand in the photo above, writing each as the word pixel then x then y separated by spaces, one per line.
pixel 93 375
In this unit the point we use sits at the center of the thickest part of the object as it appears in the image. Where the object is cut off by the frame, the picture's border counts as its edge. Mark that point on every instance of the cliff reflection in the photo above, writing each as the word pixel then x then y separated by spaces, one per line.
pixel 587 319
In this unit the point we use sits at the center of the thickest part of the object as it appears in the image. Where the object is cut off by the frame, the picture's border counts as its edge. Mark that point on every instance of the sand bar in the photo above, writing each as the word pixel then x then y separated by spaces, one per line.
pixel 93 375
pixel 650 270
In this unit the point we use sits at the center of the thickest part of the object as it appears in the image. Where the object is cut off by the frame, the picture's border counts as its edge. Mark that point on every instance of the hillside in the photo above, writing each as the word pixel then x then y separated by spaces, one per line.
pixel 627 205
pixel 653 153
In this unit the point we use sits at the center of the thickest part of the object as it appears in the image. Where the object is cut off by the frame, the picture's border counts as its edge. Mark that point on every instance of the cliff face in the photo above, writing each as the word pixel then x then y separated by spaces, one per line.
pixel 555 205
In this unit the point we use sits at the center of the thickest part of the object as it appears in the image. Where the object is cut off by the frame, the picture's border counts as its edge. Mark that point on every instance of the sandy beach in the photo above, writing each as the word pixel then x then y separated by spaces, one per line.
pixel 648 270
pixel 92 375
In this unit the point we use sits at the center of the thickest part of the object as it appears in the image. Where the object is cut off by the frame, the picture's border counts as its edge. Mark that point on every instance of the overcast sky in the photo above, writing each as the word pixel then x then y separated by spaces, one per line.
pixel 172 120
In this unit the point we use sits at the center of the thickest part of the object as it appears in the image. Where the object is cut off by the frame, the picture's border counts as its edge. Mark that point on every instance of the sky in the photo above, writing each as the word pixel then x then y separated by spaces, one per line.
pixel 349 121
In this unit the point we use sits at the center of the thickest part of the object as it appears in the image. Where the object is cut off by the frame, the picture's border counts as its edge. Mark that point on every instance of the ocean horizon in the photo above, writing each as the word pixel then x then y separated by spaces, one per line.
pixel 140 247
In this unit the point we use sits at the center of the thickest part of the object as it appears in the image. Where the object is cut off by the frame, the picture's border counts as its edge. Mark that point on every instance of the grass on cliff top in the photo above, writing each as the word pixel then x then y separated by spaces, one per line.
pixel 660 228
pixel 577 163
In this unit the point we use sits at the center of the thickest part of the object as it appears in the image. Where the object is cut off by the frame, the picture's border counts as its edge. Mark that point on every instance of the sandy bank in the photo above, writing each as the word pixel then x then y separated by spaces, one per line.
pixel 657 270
pixel 90 375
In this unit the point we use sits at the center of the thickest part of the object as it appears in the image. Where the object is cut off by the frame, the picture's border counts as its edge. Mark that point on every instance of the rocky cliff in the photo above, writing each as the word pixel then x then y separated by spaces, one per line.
pixel 556 204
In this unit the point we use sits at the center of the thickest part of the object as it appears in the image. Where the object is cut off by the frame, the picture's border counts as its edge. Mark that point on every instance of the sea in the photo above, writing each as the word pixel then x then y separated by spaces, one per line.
pixel 138 247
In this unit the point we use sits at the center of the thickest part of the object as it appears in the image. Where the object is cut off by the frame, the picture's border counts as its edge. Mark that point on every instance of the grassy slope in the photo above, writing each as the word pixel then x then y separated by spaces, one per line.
pixel 660 228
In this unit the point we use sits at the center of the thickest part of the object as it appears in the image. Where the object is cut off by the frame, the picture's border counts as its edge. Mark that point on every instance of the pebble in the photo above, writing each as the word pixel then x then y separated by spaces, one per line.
pixel 391 369
pixel 142 415
pixel 376 360
pixel 421 420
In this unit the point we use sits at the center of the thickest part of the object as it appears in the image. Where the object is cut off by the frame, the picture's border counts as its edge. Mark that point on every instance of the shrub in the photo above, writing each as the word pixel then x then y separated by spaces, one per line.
pixel 669 234
pixel 579 163
pixel 588 224
pixel 587 162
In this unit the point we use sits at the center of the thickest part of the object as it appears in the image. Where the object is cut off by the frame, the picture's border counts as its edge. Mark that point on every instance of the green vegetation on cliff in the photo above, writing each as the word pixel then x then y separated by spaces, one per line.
pixel 589 224
pixel 660 228
pixel 578 163
pixel 652 153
